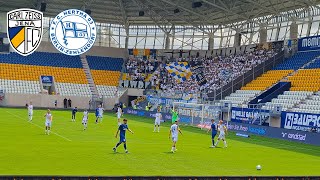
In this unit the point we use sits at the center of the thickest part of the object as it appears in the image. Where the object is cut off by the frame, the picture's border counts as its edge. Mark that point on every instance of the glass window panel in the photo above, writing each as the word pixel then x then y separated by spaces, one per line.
pixel 314 28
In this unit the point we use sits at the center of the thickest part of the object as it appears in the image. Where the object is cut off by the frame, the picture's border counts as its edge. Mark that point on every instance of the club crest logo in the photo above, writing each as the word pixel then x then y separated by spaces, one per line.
pixel 25 27
pixel 73 32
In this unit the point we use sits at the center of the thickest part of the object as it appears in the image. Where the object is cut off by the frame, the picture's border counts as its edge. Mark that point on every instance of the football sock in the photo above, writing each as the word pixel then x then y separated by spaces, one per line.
pixel 118 145
pixel 217 143
pixel 125 146
pixel 225 143
pixel 212 142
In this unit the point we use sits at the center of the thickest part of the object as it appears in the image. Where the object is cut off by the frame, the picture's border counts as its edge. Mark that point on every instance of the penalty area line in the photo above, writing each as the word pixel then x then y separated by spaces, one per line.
pixel 39 126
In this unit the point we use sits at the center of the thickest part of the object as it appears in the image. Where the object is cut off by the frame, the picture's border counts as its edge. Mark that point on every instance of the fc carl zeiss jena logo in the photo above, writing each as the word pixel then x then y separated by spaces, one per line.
pixel 24 30
pixel 73 32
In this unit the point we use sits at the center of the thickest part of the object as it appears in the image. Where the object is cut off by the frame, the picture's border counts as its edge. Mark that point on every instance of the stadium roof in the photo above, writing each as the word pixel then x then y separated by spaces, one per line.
pixel 161 12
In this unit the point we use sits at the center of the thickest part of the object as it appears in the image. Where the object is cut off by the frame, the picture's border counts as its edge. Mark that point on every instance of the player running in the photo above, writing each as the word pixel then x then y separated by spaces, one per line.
pixel 174 132
pixel 85 119
pixel 73 116
pixel 213 130
pixel 175 116
pixel 157 121
pixel 48 122
pixel 122 128
pixel 30 111
pixel 222 133
pixel 99 114
pixel 119 114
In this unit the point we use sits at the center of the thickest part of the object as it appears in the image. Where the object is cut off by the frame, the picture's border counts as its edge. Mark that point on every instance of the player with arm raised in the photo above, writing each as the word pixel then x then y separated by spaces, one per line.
pixel 173 134
pixel 122 129
pixel 85 119
pixel 213 130
pixel 30 111
pixel 222 133
pixel 48 121
pixel 175 115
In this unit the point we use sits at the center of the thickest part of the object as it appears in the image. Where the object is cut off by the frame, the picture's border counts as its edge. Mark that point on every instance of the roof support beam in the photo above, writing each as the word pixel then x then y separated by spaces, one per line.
pixel 225 10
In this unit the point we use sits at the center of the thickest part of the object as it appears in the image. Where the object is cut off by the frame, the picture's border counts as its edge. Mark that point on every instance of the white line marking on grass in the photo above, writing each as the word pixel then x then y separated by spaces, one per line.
pixel 20 117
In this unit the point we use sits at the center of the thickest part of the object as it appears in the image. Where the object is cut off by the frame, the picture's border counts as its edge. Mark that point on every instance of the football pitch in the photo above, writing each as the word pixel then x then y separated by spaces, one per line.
pixel 69 150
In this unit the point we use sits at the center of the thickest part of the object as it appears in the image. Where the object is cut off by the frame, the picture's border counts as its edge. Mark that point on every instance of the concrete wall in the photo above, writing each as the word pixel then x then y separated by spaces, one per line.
pixel 47 101
pixel 94 51
pixel 135 92
pixel 275 121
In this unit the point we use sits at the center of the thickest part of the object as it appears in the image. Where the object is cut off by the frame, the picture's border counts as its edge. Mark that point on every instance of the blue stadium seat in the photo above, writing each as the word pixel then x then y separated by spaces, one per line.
pixel 43 59
pixel 105 63
pixel 314 65
pixel 298 60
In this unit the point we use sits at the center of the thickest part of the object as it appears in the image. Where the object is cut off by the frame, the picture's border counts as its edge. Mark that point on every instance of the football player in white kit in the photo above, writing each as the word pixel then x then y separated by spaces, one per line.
pixel 174 131
pixel 48 121
pixel 157 121
pixel 222 133
pixel 30 111
pixel 119 114
pixel 85 119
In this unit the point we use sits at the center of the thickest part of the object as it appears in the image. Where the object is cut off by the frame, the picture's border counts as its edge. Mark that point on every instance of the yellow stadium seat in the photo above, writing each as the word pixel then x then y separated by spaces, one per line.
pixel 266 80
pixel 32 73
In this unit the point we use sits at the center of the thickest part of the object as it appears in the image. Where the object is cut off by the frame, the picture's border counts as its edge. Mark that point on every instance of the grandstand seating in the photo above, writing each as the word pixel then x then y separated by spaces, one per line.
pixel 65 69
pixel 20 86
pixel 105 73
pixel 310 105
pixel 305 80
pixel 288 100
pixel 266 80
pixel 298 60
pixel 241 96
pixel 70 89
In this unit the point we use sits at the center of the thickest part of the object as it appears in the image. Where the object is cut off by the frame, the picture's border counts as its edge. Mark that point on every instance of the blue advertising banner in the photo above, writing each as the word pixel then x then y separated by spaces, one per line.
pixel 247 115
pixel 46 80
pixel 245 129
pixel 300 121
pixel 278 133
pixel 309 43
pixel 167 101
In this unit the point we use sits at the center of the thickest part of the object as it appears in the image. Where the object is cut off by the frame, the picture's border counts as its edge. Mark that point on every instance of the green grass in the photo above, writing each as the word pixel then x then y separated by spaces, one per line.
pixel 26 150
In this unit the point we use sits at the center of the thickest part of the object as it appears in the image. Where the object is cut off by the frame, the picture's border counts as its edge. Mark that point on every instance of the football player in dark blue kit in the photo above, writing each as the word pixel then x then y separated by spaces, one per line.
pixel 122 129
pixel 74 111
pixel 213 130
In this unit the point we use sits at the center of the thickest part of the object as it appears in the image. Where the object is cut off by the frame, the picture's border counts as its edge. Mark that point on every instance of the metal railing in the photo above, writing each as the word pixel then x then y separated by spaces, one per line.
pixel 236 84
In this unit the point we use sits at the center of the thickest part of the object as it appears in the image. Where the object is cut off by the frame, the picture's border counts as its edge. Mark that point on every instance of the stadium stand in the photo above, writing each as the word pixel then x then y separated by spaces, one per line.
pixel 266 80
pixel 288 100
pixel 65 69
pixel 298 60
pixel 303 81
pixel 241 97
pixel 139 69
pixel 218 71
pixel 105 73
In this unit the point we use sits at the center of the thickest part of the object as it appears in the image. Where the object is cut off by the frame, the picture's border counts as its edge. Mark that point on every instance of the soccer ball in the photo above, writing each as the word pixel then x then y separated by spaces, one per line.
pixel 258 167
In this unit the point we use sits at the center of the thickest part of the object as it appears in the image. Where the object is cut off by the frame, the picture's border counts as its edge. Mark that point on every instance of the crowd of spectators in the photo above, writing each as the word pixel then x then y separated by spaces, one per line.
pixel 218 71
pixel 138 68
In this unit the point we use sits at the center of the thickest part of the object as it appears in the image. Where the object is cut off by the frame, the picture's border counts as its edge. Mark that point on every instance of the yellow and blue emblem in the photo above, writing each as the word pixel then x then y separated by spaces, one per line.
pixel 25 27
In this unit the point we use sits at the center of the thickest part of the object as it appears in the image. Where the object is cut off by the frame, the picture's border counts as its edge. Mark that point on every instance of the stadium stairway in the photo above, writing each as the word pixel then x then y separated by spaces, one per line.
pixel 93 88
pixel 106 73
pixel 289 70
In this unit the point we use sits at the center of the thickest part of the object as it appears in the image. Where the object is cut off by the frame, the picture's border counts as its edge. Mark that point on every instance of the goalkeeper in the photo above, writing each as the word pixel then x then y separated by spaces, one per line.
pixel 175 116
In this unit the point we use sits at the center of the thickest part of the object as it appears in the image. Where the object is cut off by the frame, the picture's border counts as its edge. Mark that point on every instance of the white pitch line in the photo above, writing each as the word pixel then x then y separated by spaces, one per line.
pixel 39 126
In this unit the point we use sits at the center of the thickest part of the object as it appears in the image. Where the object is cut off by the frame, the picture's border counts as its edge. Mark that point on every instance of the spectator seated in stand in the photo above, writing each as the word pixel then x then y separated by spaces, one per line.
pixel 218 72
